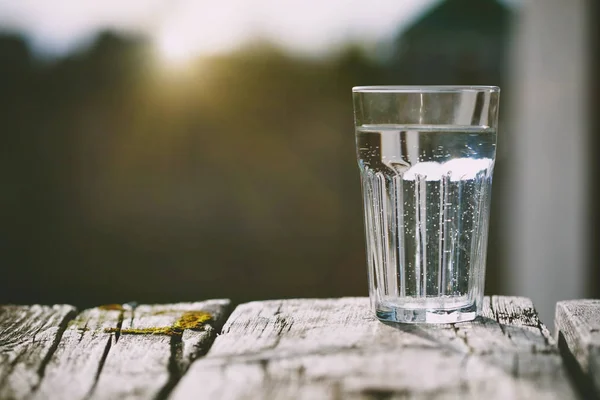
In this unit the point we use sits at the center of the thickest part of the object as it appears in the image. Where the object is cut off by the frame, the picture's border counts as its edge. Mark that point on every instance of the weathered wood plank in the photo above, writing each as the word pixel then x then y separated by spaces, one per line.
pixel 578 324
pixel 111 351
pixel 154 347
pixel 29 336
pixel 335 349
pixel 72 371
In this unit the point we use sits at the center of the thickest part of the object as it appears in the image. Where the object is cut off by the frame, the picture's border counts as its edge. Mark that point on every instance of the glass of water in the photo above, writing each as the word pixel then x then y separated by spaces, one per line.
pixel 426 156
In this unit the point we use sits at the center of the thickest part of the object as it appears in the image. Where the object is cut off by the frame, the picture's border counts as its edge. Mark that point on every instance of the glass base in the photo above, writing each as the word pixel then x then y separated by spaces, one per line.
pixel 426 315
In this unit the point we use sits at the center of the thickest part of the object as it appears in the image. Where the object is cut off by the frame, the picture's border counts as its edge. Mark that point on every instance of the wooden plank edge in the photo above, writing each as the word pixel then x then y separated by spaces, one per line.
pixel 66 313
pixel 575 354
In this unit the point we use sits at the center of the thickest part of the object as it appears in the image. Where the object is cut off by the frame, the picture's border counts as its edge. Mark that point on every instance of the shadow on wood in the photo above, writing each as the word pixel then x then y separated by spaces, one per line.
pixel 335 348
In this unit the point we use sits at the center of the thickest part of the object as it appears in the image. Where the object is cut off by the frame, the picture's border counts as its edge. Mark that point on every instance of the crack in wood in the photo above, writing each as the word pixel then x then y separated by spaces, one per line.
pixel 117 334
pixel 178 364
pixel 462 337
pixel 100 366
pixel 581 381
pixel 132 305
pixel 263 363
pixel 544 332
pixel 303 347
pixel 56 340
pixel 515 365
pixel 56 353
pixel 194 321
pixel 119 325
pixel 577 326
pixel 83 330
pixel 279 325
pixel 167 337
pixel 382 394
pixel 174 368
pixel 496 317
pixel 333 343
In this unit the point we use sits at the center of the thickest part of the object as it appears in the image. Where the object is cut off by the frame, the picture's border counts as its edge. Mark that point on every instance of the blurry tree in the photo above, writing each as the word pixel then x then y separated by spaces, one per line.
pixel 232 176
pixel 236 178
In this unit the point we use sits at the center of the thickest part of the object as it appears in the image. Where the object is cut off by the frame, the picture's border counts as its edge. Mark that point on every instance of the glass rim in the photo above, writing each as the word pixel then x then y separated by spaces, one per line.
pixel 426 89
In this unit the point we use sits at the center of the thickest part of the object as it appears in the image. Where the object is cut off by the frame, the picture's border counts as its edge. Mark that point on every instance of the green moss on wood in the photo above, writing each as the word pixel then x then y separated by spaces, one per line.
pixel 167 330
pixel 189 320
pixel 192 320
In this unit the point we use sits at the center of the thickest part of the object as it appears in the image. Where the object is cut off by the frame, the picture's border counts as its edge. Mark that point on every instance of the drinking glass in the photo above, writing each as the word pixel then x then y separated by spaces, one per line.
pixel 426 156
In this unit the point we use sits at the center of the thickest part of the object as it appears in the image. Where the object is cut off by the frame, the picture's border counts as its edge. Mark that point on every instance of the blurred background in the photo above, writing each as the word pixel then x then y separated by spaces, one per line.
pixel 161 151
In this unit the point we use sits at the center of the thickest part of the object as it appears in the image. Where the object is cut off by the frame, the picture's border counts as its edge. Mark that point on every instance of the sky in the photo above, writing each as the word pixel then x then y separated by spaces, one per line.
pixel 187 28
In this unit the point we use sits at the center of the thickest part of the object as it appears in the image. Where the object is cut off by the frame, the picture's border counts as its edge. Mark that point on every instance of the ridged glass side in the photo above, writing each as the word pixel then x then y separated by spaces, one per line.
pixel 426 202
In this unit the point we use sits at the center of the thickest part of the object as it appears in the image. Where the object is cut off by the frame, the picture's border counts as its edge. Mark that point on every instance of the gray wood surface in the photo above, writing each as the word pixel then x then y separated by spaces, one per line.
pixel 28 337
pixel 313 349
pixel 144 366
pixel 336 349
pixel 578 323
pixel 109 352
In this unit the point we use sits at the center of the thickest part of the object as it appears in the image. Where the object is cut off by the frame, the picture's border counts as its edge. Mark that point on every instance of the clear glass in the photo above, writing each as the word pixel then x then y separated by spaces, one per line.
pixel 426 156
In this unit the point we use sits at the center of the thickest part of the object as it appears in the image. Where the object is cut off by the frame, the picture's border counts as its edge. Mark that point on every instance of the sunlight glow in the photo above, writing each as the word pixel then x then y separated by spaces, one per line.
pixel 184 29
pixel 175 49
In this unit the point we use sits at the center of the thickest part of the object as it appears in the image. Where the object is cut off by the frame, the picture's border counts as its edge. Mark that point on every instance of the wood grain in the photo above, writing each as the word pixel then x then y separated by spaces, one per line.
pixel 335 348
pixel 140 353
pixel 109 352
pixel 578 324
pixel 29 335
pixel 75 366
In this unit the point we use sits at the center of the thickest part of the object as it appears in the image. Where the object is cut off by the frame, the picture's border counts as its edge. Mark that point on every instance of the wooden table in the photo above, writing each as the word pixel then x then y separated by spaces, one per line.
pixel 305 349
